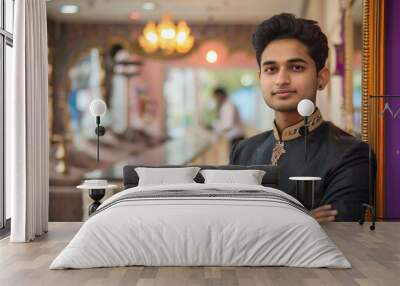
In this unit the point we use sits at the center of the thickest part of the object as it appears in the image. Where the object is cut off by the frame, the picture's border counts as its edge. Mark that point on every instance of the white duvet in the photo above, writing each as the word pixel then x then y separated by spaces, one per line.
pixel 185 231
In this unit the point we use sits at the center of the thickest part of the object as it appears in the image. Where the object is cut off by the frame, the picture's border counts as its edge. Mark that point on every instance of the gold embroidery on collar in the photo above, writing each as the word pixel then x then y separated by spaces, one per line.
pixel 277 152
pixel 293 132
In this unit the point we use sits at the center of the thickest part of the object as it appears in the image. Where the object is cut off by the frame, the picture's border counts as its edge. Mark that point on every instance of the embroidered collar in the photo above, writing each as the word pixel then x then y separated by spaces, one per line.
pixel 293 132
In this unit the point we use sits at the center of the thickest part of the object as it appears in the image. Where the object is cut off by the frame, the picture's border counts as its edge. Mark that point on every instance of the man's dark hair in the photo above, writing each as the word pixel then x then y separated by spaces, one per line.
pixel 287 26
pixel 220 91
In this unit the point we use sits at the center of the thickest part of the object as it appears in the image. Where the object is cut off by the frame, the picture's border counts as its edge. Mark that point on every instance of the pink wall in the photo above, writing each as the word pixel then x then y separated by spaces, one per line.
pixel 226 58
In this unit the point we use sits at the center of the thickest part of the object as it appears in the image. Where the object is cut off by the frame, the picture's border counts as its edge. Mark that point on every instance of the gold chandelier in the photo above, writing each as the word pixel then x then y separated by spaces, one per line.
pixel 166 37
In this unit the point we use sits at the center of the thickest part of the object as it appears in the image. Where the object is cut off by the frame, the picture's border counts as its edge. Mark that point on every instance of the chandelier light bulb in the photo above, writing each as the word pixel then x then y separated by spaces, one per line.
pixel 181 37
pixel 152 37
pixel 168 33
pixel 186 46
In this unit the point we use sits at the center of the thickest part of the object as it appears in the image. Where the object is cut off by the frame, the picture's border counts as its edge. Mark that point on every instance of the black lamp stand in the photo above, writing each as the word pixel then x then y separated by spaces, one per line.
pixel 97 194
pixel 305 137
pixel 100 131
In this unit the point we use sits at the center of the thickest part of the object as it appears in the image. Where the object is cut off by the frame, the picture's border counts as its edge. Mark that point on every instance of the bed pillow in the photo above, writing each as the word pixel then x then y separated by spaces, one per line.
pixel 248 177
pixel 162 176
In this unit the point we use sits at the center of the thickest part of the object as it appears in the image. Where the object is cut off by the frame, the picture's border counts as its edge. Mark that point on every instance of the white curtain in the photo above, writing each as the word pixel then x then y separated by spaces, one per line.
pixel 27 141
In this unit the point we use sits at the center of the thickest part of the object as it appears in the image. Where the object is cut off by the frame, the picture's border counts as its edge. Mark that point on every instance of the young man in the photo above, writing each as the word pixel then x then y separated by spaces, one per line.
pixel 291 55
pixel 228 123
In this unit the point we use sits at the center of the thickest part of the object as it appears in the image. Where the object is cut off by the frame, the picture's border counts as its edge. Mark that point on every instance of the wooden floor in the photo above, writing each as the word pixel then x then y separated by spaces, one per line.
pixel 375 257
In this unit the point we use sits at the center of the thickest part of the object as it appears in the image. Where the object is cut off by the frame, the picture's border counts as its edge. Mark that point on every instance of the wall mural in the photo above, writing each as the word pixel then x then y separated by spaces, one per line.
pixel 380 100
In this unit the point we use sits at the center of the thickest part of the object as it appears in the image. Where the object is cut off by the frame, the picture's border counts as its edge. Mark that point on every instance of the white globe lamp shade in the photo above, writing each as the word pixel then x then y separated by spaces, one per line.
pixel 98 107
pixel 305 107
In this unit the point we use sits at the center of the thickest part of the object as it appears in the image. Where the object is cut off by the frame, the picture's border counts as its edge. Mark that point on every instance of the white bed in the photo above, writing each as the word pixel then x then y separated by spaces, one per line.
pixel 249 225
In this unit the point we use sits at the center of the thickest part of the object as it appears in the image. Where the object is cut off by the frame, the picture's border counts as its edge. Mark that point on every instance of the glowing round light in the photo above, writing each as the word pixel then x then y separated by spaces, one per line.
pixel 69 9
pixel 211 56
pixel 148 6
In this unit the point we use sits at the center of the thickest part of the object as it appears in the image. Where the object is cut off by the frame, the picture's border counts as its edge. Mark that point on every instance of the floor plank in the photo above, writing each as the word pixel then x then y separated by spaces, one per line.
pixel 375 257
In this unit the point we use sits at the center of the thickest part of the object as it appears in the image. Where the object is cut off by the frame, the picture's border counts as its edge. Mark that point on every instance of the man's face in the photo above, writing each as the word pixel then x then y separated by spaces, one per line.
pixel 287 75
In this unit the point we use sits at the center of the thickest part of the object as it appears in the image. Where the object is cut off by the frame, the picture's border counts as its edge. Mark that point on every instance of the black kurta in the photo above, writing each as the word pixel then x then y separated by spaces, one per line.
pixel 338 158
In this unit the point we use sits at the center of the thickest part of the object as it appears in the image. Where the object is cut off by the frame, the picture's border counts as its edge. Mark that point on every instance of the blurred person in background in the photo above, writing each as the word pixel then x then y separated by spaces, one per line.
pixel 228 123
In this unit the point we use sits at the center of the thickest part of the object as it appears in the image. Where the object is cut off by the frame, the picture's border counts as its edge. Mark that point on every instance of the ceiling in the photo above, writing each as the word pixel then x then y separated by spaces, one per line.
pixel 194 11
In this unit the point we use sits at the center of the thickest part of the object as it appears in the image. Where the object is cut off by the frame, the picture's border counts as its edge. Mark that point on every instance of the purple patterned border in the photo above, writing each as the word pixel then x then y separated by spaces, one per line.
pixel 392 127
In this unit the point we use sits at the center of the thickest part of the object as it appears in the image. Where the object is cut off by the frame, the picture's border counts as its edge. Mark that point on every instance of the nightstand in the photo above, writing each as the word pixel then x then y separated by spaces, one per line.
pixel 97 190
